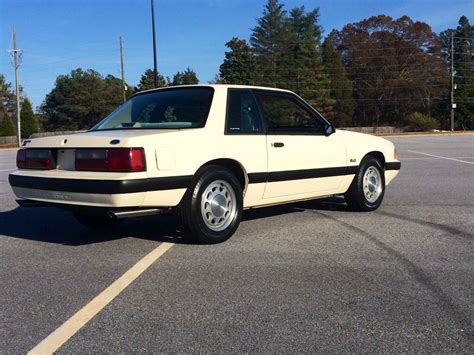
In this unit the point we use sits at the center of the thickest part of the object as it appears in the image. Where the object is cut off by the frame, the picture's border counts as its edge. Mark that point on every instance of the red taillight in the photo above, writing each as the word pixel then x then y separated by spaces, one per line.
pixel 39 159
pixel 125 160
pixel 116 159
pixel 21 159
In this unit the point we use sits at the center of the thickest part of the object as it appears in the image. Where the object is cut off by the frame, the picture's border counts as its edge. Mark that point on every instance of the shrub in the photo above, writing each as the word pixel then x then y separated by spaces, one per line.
pixel 6 125
pixel 420 122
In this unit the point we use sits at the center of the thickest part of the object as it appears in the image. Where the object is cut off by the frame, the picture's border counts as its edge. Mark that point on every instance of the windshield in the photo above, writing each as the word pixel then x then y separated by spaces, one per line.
pixel 163 109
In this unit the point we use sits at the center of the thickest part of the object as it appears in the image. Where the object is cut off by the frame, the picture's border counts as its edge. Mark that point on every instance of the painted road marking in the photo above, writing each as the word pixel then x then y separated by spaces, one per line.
pixel 57 338
pixel 6 170
pixel 440 157
pixel 428 158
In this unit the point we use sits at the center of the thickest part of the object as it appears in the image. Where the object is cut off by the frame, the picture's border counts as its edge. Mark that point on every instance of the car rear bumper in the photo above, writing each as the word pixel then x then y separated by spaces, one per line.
pixel 165 191
pixel 90 186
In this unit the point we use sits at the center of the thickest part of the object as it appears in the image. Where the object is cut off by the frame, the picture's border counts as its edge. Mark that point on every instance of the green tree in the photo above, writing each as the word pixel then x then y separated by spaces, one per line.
pixel 463 70
pixel 29 124
pixel 395 66
pixel 7 128
pixel 187 77
pixel 80 99
pixel 7 96
pixel 341 87
pixel 287 48
pixel 239 64
pixel 303 69
pixel 268 42
pixel 147 81
pixel 217 80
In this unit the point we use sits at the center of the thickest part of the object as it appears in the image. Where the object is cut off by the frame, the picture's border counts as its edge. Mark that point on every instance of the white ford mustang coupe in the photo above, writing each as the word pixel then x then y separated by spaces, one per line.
pixel 205 152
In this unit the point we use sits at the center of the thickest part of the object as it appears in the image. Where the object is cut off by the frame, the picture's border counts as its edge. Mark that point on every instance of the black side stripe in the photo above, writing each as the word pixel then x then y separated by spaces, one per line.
pixel 396 165
pixel 169 183
pixel 275 176
pixel 301 174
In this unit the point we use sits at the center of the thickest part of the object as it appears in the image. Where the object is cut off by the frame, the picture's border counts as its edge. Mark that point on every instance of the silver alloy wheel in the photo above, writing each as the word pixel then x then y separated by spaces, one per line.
pixel 218 205
pixel 372 184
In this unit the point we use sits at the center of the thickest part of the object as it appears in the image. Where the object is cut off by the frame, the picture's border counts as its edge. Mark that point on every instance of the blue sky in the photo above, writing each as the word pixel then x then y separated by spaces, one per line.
pixel 57 36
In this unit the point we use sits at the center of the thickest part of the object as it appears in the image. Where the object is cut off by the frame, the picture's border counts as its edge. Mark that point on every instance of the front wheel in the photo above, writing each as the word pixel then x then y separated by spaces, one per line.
pixel 368 187
pixel 211 209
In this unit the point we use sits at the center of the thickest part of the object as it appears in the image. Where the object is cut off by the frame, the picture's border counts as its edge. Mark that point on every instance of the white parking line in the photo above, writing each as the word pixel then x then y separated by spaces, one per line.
pixel 57 338
pixel 440 157
pixel 428 158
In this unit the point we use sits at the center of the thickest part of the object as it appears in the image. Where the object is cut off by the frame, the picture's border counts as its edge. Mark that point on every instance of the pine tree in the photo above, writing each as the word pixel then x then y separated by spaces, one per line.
pixel 268 42
pixel 7 128
pixel 29 124
pixel 341 87
pixel 287 49
pixel 147 81
pixel 464 71
pixel 303 69
pixel 7 96
pixel 239 64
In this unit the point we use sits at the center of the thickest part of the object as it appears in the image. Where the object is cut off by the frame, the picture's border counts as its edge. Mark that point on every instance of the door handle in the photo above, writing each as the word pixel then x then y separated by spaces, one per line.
pixel 278 144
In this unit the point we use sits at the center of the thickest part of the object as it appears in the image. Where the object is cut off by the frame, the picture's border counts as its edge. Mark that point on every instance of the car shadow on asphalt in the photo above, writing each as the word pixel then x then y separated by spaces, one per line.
pixel 326 204
pixel 54 225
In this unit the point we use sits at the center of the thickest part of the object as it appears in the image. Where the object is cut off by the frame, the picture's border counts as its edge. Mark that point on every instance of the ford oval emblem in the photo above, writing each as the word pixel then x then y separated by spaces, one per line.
pixel 115 141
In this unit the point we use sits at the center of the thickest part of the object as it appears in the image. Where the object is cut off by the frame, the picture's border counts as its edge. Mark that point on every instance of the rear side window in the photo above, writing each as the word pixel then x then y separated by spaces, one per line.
pixel 242 113
pixel 286 115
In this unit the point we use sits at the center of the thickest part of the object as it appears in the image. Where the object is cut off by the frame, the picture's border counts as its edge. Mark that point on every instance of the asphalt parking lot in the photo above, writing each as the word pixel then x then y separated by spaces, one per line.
pixel 306 277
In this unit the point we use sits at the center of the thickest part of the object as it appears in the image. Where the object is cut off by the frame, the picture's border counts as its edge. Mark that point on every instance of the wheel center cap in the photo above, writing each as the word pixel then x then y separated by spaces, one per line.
pixel 372 184
pixel 218 205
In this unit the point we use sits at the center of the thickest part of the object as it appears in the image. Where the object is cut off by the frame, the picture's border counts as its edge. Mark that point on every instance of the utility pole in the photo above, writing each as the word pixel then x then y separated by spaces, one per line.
pixel 124 88
pixel 453 105
pixel 155 71
pixel 16 64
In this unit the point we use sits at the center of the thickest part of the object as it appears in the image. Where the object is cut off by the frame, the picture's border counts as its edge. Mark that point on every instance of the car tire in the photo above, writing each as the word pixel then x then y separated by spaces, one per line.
pixel 211 210
pixel 368 187
pixel 95 221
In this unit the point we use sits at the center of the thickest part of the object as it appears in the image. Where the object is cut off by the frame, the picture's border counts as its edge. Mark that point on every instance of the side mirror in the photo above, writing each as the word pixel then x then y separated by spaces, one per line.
pixel 329 129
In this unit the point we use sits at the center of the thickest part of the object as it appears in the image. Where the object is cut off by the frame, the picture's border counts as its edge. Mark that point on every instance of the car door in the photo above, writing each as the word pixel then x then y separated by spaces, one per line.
pixel 302 160
pixel 245 141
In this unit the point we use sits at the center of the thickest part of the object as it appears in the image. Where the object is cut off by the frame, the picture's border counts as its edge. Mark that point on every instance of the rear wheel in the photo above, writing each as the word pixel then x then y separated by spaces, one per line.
pixel 211 209
pixel 96 221
pixel 368 187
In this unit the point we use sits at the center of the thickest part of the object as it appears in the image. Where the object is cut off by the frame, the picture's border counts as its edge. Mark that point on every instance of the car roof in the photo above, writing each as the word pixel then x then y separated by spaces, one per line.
pixel 217 87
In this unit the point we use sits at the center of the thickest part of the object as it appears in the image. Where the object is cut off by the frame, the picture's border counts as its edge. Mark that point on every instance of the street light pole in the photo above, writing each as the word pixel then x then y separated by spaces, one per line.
pixel 16 63
pixel 452 81
pixel 124 88
pixel 155 71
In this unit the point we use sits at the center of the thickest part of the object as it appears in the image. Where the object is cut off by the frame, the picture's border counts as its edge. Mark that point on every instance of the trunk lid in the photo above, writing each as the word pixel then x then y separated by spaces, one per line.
pixel 97 139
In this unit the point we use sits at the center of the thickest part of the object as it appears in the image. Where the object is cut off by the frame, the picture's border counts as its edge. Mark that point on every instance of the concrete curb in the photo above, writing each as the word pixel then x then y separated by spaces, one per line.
pixel 8 146
pixel 411 134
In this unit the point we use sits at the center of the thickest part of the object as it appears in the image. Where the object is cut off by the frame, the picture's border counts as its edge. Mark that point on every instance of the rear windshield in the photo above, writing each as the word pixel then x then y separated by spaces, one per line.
pixel 163 109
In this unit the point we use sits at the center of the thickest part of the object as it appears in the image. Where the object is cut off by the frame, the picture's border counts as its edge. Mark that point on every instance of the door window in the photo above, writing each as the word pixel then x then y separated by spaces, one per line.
pixel 284 114
pixel 242 113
